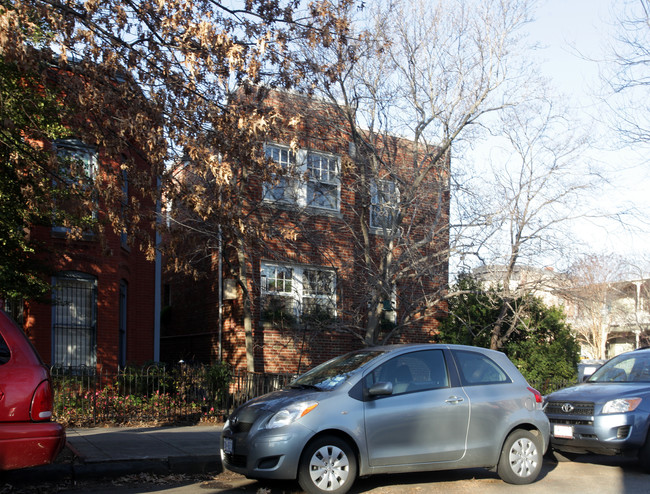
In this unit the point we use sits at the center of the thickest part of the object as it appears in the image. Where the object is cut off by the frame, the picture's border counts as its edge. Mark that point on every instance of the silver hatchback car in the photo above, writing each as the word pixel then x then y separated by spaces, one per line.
pixel 392 409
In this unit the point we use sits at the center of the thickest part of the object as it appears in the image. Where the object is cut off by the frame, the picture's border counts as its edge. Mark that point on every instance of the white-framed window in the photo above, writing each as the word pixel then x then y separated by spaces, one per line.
pixel 78 162
pixel 74 319
pixel 322 187
pixel 79 158
pixel 283 190
pixel 384 204
pixel 292 293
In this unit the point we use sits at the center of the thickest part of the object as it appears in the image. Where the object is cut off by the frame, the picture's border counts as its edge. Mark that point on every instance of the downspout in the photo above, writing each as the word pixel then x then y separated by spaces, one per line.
pixel 157 283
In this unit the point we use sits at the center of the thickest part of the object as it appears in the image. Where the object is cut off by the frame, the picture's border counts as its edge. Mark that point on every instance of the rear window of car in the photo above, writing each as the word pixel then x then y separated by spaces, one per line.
pixel 476 369
pixel 5 353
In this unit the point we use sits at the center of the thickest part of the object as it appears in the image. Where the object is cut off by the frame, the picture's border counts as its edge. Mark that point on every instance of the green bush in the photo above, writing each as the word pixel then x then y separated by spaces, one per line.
pixel 541 344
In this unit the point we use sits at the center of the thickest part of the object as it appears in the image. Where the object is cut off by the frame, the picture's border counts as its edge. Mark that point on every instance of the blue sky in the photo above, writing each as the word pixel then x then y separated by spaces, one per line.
pixel 574 37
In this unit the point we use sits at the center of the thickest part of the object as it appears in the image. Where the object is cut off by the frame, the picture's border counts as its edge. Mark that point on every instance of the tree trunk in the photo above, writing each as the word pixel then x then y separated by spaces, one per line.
pixel 372 328
pixel 248 312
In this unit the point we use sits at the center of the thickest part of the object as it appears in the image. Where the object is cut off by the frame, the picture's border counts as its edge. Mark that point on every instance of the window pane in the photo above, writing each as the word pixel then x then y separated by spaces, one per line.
pixel 318 301
pixel 74 328
pixel 317 282
pixel 322 188
pixel 278 309
pixel 278 278
pixel 384 202
pixel 5 353
pixel 79 158
pixel 318 308
pixel 322 168
pixel 322 195
pixel 282 156
pixel 476 368
pixel 78 164
pixel 280 189
pixel 417 371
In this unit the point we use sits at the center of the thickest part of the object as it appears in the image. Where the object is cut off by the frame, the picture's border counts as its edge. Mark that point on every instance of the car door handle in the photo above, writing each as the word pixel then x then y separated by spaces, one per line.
pixel 454 399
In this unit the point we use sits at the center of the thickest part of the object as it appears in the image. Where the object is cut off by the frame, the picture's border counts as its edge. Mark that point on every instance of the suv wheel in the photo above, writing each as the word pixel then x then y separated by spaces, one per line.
pixel 327 465
pixel 521 457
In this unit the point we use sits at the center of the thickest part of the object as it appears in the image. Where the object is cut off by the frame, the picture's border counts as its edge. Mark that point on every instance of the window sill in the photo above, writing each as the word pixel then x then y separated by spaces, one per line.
pixel 296 326
pixel 382 232
pixel 305 210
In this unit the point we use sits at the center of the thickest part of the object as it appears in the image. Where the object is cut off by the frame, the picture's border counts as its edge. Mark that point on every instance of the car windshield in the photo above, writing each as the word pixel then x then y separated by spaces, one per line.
pixel 628 367
pixel 333 372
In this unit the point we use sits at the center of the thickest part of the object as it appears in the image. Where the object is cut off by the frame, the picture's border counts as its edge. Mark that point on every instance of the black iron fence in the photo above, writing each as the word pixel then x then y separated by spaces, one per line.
pixel 86 397
pixel 547 386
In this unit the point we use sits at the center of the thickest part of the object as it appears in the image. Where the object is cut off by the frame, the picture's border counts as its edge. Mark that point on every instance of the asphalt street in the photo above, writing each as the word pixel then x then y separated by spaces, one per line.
pixel 185 460
pixel 601 475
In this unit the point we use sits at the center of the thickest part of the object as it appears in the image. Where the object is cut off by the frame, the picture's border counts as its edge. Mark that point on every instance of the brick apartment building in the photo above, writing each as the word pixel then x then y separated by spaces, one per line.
pixel 104 305
pixel 307 290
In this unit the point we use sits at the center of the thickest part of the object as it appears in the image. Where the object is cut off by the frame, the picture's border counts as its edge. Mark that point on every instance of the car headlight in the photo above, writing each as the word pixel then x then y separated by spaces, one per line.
pixel 290 414
pixel 621 405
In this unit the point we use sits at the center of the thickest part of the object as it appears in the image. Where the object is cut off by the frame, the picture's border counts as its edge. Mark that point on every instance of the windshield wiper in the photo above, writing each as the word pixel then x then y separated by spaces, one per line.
pixel 305 386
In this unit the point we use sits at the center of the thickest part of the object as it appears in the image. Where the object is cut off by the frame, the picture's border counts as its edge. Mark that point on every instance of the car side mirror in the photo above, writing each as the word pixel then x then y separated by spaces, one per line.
pixel 381 389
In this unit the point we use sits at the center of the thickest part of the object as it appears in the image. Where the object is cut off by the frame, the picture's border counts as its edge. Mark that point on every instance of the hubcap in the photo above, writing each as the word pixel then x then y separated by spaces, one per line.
pixel 523 457
pixel 329 468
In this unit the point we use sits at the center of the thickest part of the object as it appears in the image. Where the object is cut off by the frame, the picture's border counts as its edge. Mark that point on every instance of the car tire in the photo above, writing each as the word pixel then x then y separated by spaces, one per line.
pixel 521 457
pixel 644 455
pixel 327 465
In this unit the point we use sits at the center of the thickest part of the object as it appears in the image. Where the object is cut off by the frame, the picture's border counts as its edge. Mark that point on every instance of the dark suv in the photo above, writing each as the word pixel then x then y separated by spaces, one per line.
pixel 607 414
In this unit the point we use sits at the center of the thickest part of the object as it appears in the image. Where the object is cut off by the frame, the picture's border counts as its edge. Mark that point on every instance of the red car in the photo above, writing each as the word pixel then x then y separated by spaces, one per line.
pixel 28 437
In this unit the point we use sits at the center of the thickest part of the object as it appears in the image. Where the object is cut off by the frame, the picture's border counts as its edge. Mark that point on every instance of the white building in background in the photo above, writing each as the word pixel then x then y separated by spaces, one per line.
pixel 617 313
pixel 543 283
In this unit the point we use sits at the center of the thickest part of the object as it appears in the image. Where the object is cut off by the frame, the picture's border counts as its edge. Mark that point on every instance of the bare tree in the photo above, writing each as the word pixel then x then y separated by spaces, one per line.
pixel 593 300
pixel 536 189
pixel 431 72
pixel 628 75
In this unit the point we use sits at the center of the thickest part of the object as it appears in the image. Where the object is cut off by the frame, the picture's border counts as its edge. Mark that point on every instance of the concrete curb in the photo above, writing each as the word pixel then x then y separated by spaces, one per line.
pixel 114 469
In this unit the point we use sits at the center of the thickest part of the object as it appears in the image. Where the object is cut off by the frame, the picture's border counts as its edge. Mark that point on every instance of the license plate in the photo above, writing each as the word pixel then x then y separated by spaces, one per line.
pixel 228 446
pixel 563 431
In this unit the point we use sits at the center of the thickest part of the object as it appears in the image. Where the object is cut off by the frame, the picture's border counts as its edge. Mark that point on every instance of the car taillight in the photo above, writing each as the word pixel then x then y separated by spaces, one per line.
pixel 42 402
pixel 538 395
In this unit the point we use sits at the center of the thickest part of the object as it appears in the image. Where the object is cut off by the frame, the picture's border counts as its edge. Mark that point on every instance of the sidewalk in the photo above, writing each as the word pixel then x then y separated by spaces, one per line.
pixel 117 451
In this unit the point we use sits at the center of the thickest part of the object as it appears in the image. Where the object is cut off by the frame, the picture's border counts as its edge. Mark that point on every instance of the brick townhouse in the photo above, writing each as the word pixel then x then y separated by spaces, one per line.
pixel 103 310
pixel 104 306
pixel 308 291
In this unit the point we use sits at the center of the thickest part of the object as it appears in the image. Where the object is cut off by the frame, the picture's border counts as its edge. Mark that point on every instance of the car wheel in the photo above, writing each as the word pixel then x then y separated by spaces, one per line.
pixel 521 458
pixel 644 455
pixel 327 465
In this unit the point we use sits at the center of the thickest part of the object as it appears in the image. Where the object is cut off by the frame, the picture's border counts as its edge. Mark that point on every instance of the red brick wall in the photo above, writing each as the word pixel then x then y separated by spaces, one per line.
pixel 110 263
pixel 330 244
